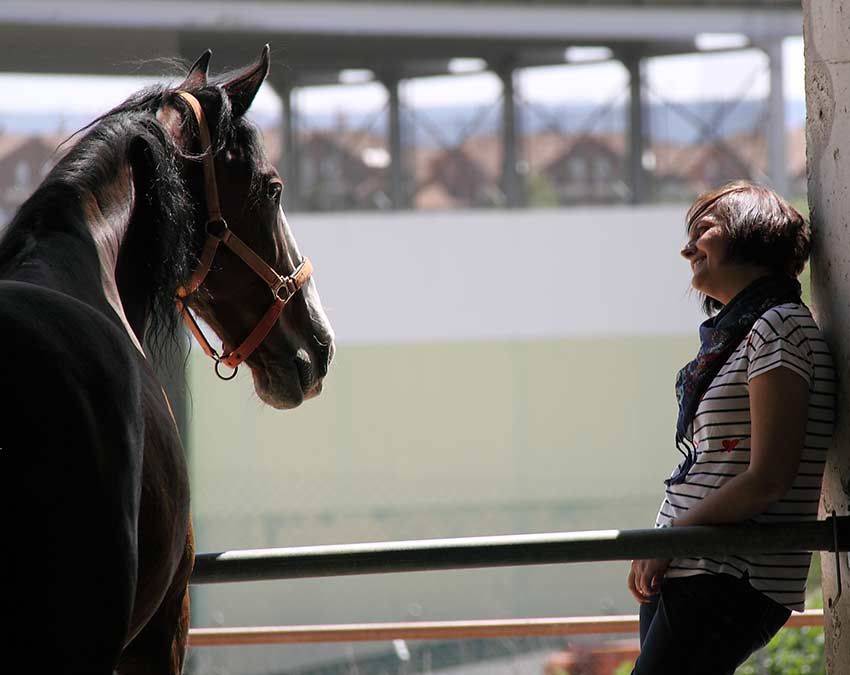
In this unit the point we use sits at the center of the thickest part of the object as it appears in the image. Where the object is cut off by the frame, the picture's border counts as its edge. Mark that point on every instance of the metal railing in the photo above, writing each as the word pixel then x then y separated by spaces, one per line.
pixel 831 534
pixel 438 630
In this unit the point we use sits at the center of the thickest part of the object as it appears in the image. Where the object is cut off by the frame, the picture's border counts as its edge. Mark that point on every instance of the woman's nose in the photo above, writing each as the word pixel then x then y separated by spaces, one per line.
pixel 688 250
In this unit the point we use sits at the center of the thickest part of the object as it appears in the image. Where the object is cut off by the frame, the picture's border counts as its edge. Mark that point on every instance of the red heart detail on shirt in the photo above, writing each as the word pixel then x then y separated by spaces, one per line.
pixel 730 444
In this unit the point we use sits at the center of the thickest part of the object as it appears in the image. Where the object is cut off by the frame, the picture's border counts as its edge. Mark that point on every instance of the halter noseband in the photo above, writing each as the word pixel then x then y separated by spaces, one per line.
pixel 282 288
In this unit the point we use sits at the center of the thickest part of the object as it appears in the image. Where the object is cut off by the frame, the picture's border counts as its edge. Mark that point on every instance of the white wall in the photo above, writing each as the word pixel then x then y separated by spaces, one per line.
pixel 479 275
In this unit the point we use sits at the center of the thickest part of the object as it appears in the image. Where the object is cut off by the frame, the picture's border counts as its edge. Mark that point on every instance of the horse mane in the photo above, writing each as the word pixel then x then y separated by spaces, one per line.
pixel 131 132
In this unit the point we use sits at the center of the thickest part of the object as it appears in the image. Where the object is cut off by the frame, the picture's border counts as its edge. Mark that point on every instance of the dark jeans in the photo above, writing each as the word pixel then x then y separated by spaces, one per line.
pixel 706 624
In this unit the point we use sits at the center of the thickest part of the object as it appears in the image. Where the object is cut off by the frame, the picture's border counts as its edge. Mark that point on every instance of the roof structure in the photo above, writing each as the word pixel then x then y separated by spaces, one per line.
pixel 317 39
pixel 312 42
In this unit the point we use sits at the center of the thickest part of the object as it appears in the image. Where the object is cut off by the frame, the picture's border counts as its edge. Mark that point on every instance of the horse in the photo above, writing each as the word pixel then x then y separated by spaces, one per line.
pixel 166 207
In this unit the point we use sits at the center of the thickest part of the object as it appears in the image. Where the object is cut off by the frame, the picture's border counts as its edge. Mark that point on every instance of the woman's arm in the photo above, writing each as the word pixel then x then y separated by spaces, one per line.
pixel 779 408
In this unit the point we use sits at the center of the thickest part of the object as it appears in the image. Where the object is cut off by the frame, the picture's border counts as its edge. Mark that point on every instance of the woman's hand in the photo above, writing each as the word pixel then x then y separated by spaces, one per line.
pixel 645 577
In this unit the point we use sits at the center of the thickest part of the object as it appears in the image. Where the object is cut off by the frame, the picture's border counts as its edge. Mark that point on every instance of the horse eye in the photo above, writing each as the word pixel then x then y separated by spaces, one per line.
pixel 274 190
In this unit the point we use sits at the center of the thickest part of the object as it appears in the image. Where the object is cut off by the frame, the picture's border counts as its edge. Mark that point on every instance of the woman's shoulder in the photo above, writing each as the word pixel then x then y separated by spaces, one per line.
pixel 786 319
pixel 791 329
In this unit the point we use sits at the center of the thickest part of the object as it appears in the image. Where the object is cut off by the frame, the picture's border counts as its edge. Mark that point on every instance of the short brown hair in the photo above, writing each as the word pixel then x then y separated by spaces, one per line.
pixel 763 228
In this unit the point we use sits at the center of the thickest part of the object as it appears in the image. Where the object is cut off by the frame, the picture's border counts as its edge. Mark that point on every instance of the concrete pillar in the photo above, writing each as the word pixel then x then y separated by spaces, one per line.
pixel 394 141
pixel 284 85
pixel 638 180
pixel 512 186
pixel 827 130
pixel 776 137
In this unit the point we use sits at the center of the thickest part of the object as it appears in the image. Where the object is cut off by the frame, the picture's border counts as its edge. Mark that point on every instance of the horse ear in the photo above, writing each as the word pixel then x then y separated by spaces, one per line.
pixel 196 78
pixel 243 87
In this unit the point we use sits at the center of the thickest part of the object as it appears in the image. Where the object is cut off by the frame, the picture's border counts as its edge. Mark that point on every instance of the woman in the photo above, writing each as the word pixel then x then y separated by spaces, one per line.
pixel 755 419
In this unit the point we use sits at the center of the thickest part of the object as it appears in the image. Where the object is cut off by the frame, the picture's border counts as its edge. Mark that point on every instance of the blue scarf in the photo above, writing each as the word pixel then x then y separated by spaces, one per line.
pixel 719 337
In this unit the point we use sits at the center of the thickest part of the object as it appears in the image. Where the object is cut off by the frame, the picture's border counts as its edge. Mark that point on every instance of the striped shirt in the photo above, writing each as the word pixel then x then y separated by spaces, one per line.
pixel 785 336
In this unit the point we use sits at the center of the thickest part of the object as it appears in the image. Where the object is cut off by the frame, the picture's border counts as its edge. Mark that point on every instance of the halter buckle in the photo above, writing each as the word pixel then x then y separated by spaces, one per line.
pixel 287 286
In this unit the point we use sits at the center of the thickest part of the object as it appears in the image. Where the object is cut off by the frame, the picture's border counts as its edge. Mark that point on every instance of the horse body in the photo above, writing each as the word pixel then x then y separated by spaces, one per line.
pixel 94 489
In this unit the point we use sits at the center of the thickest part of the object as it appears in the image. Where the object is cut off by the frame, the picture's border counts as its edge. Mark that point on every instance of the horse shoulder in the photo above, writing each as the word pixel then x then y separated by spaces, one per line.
pixel 71 451
pixel 164 520
pixel 69 378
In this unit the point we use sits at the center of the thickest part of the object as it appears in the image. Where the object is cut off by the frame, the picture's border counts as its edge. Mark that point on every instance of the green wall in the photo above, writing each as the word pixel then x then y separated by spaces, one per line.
pixel 416 427
pixel 432 440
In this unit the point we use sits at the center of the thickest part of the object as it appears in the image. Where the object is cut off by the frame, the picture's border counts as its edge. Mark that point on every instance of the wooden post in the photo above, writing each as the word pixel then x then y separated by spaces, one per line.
pixel 828 155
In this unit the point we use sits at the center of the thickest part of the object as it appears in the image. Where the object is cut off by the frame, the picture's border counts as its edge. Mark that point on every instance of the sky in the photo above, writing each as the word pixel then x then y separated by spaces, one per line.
pixel 719 76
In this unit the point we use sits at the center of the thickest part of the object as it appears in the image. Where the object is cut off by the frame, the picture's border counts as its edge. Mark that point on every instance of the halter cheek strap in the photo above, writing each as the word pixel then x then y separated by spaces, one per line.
pixel 218 233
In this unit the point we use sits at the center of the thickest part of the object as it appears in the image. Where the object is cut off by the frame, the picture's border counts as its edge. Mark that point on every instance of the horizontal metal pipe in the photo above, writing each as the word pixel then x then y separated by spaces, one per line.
pixel 513 550
pixel 438 630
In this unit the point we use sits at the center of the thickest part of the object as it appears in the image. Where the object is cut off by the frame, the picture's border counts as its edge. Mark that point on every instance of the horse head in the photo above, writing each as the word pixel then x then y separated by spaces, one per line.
pixel 251 285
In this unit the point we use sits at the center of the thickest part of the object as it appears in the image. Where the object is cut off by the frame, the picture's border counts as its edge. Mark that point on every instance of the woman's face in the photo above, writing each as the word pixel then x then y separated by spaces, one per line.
pixel 706 252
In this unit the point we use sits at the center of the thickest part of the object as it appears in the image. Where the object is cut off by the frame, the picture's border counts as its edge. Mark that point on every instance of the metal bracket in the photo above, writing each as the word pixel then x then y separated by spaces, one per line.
pixel 834 601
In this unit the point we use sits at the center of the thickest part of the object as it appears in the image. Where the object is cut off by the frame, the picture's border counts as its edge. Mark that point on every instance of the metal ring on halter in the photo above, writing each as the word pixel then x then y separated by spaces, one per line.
pixel 222 377
pixel 221 229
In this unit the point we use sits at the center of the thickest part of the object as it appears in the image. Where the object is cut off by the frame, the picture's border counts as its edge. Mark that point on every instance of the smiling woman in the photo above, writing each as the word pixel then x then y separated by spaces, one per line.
pixel 739 233
pixel 755 417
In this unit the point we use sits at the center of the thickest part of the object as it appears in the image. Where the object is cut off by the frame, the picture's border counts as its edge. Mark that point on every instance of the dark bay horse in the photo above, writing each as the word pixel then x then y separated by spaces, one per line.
pixel 166 203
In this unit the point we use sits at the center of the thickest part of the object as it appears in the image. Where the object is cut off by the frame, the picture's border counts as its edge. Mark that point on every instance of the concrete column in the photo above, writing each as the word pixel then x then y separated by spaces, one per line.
pixel 827 130
pixel 284 84
pixel 638 180
pixel 776 137
pixel 512 186
pixel 394 141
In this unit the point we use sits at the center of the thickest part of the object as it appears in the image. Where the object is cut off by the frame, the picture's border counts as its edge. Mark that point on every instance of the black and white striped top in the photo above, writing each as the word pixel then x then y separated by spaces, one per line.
pixel 785 336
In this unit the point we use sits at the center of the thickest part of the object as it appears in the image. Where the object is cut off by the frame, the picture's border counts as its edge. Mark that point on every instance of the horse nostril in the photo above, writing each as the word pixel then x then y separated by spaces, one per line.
pixel 324 355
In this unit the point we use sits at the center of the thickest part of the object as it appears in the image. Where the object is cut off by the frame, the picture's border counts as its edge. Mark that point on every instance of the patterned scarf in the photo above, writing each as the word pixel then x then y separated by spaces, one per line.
pixel 719 336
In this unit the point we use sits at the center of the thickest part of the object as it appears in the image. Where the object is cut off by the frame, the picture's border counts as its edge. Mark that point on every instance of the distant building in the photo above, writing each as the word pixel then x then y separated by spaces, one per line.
pixel 462 178
pixel 348 169
pixel 715 164
pixel 590 169
pixel 336 172
pixel 465 175
pixel 24 162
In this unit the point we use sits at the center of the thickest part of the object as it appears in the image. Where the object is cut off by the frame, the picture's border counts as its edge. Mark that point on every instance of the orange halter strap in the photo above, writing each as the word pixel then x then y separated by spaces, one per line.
pixel 282 288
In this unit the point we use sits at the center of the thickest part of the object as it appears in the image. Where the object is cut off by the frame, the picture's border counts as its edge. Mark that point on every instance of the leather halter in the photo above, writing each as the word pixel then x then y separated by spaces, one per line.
pixel 282 288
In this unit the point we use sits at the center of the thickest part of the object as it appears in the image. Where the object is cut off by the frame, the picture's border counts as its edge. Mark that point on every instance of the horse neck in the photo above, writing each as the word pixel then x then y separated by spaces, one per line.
pixel 72 243
pixel 111 217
